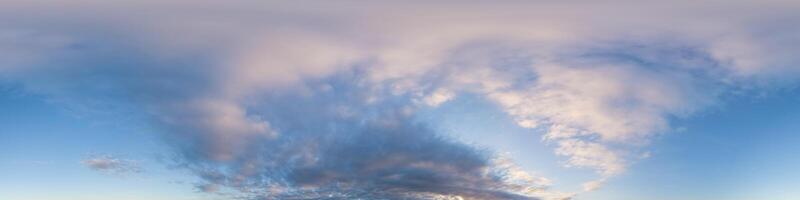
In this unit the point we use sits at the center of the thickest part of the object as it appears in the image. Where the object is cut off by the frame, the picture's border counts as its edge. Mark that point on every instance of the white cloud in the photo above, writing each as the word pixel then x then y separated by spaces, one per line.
pixel 438 97
pixel 593 155
pixel 593 185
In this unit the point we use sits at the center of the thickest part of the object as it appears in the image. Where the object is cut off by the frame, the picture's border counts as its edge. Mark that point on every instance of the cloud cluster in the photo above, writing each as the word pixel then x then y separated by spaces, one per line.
pixel 258 95
pixel 335 143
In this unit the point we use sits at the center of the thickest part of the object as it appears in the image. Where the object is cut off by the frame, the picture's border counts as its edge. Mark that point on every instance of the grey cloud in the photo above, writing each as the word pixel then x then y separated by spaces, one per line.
pixel 374 150
pixel 111 164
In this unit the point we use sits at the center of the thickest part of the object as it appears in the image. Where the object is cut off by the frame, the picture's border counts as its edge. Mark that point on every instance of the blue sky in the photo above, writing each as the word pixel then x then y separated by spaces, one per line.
pixel 399 100
pixel 43 146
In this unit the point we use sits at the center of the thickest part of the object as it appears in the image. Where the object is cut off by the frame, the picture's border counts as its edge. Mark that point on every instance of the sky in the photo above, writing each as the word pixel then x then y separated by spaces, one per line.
pixel 540 100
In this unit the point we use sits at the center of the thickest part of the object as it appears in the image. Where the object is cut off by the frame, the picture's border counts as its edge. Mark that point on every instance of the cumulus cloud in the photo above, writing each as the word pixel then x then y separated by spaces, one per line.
pixel 111 165
pixel 257 95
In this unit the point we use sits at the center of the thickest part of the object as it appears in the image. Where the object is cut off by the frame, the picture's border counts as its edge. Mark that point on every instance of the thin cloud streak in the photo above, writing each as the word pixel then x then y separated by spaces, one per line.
pixel 112 165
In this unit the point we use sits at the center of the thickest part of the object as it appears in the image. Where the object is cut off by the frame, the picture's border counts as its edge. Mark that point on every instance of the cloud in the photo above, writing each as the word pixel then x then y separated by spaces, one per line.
pixel 585 102
pixel 374 149
pixel 593 185
pixel 111 165
pixel 258 86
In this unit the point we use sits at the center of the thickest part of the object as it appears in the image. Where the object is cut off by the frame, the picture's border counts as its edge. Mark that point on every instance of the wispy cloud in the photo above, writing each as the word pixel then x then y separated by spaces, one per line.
pixel 111 165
